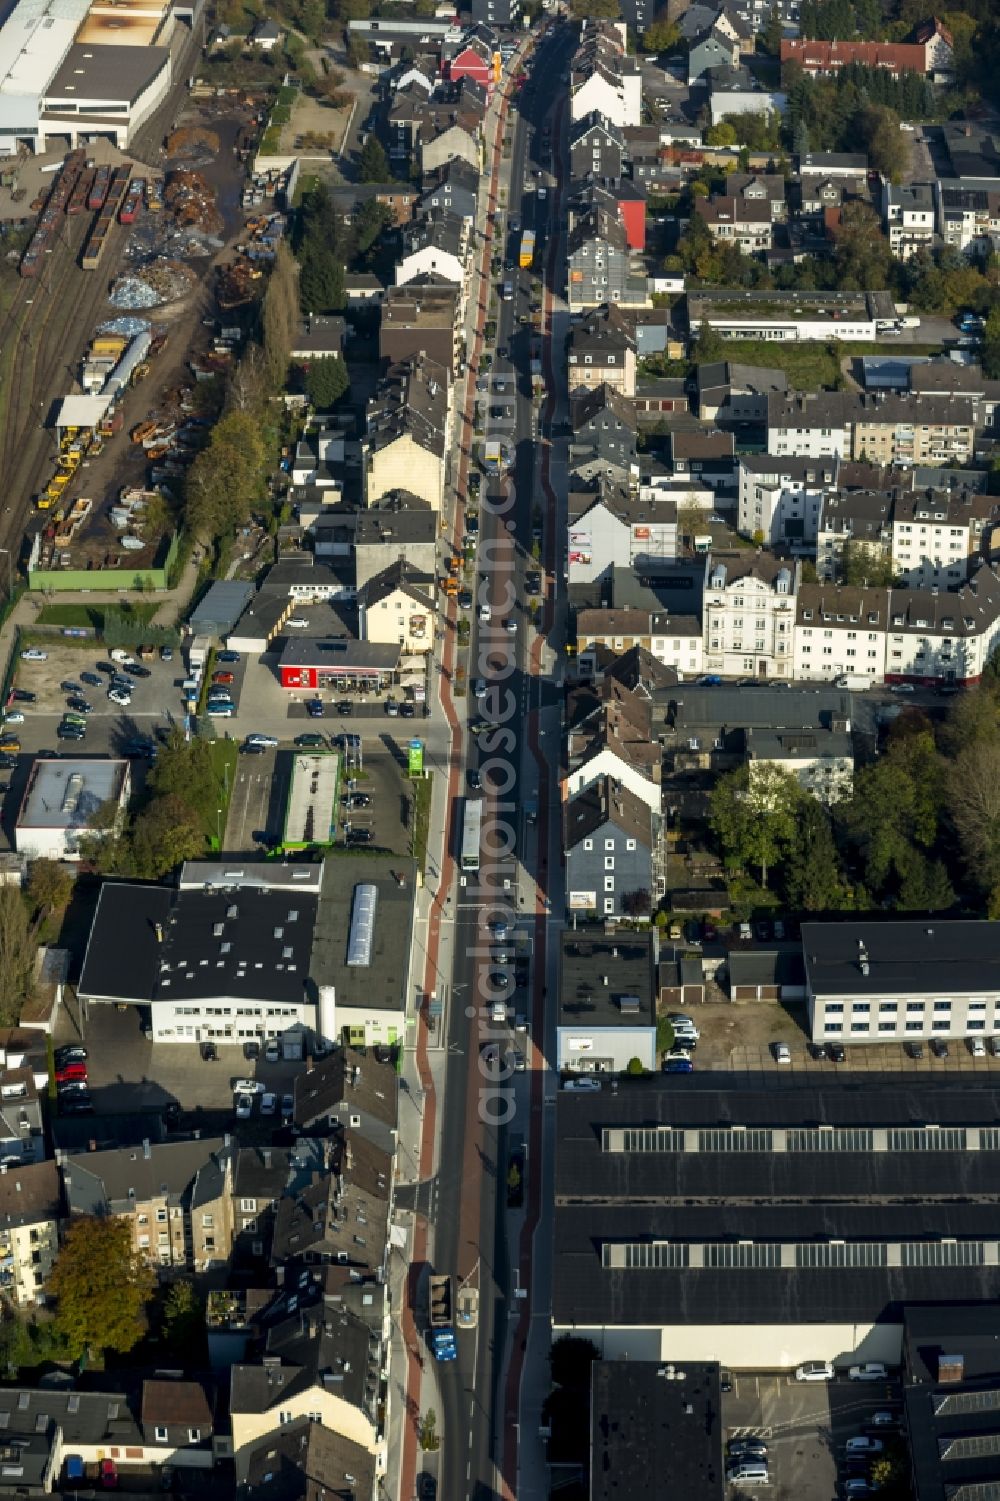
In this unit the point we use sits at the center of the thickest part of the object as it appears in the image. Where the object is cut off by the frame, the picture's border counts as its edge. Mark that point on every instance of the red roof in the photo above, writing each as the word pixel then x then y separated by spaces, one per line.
pixel 828 57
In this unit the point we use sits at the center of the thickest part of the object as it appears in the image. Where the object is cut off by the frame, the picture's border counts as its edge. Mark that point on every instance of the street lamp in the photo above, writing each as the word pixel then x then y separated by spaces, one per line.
pixel 218 829
pixel 10 571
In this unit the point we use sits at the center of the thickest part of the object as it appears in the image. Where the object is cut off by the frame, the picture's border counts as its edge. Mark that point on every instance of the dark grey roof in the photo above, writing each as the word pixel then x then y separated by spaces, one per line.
pixel 399 518
pixel 220 608
pixel 381 984
pixel 920 957
pixel 29 1194
pixel 766 967
pixel 306 1352
pixel 150 943
pixel 32 1416
pixel 105 73
pixel 304 1461
pixel 340 652
pixel 693 708
pixel 644 1428
pixel 346 1078
pixel 607 803
pixel 183 1172
pixel 952 1397
pixel 599 976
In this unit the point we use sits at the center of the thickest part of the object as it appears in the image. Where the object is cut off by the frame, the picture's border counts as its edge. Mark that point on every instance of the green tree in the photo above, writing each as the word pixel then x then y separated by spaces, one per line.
pixel 595 10
pixel 227 478
pixel 373 164
pixel 635 1067
pixel 50 887
pixel 770 38
pixel 184 1321
pixel 661 36
pixel 326 380
pixel 752 812
pixel 862 565
pixel 100 1287
pixel 165 834
pixel 723 134
pixel 812 871
pixel 18 945
pixel 321 283
pixel 990 352
pixel 370 223
pixel 280 317
pixel 895 811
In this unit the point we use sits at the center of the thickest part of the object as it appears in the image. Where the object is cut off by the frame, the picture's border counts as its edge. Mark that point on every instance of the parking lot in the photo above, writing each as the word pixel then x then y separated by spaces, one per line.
pixel 129 1073
pixel 156 699
pixel 805 1426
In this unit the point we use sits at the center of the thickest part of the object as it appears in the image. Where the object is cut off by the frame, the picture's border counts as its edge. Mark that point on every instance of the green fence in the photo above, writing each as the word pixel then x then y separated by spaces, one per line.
pixel 67 580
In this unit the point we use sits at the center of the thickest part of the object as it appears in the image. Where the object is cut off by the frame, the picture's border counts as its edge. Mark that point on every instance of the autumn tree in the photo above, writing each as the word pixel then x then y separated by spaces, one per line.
pixel 50 887
pixel 661 36
pixel 226 479
pixel 280 317
pixel 165 834
pixel 100 1287
pixel 752 812
pixel 18 942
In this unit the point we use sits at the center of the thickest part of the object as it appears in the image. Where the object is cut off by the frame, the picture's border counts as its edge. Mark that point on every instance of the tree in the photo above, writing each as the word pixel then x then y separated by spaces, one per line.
pixel 50 886
pixel 326 380
pixel 771 36
pixel 430 1439
pixel 184 1321
pixel 280 317
pixel 862 564
pixel 878 128
pixel 812 874
pixel 165 834
pixel 989 354
pixel 635 1067
pixel 752 811
pixel 895 812
pixel 18 943
pixel 723 134
pixel 228 477
pixel 661 36
pixel 100 1287
pixel 370 223
pixel 373 164
pixel 321 281
pixel 974 806
pixel 595 10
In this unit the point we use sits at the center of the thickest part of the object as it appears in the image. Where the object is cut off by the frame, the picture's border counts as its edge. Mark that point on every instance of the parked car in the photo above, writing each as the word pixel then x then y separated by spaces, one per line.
pixel 34 654
pixel 887 1421
pixel 70 1052
pixel 13 716
pixel 209 1052
pixel 815 1370
pixel 71 1073
pixel 223 678
pixel 80 705
pixel 244 1107
pixel 269 1104
pixel 872 1370
pixel 915 1050
pixel 837 1052
pixel 310 742
pixel 344 708
pixel 22 696
pixel 117 696
pixel 782 1052
pixel 314 708
pixel 287 1108
pixel 746 1448
pixel 678 1064
pixel 108 1475
pixel 863 1443
pixel 228 656
pixel 297 623
pixel 90 678
pixel 251 1051
pixel 583 1085
pixel 264 740
pixel 939 1047
pixel 272 1053
pixel 977 1047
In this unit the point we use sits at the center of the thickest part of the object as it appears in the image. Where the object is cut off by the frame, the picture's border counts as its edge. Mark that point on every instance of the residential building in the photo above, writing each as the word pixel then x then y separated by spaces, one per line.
pixel 319 338
pixel 841 630
pixel 224 956
pixel 455 191
pixel 398 606
pixel 436 245
pixel 906 431
pixel 422 317
pixel 22 1124
pixel 456 142
pixel 890 981
pixel 600 266
pixel 177 1423
pixel 31 1211
pixel 910 217
pixel 688 1226
pixel 600 351
pixel 260 1176
pixel 504 14
pixel 821 761
pixel 60 800
pixel 332 1373
pixel 611 735
pixel 781 500
pixel 760 187
pixel 408 433
pixel 476 57
pixel 968 218
pixel 609 839
pixel 596 150
pixel 714 50
pixel 647 1420
pixel 716 728
pixel 821 59
pixel 675 640
pixel 860 519
pixel 607 1001
pixel 610 528
pixel 939 537
pixel 810 425
pixel 728 394
pixel 176 1196
pixel 736 91
pixel 603 79
pixel 749 615
pixel 702 455
pixel 342 1215
pixel 743 222
pixel 350 1089
pixel 401 528
pixel 303 1460
pixel 604 436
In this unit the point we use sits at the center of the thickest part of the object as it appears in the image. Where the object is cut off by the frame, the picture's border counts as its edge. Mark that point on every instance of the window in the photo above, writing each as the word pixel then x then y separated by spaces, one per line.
pixel 609 883
pixel 609 844
pixel 248 1206
pixel 161 1434
pixel 588 844
pixel 609 862
pixel 161 1216
pixel 609 904
pixel 194 1435
pixel 208 1222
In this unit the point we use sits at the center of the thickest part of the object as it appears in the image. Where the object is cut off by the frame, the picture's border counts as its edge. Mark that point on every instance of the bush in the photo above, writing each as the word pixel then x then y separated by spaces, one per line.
pixel 635 1066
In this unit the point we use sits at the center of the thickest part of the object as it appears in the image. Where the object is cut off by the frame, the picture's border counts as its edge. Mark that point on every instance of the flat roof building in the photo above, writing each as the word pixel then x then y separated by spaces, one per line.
pixel 311 811
pixel 60 801
pixel 762 1227
pixel 655 1428
pixel 607 1001
pixel 363 989
pixel 337 662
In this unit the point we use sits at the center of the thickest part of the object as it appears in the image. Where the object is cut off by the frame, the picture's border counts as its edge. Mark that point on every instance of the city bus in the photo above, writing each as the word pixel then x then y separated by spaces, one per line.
pixel 472 828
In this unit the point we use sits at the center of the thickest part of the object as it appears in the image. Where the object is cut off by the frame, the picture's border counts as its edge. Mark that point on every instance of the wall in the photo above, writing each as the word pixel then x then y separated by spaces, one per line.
pixel 404 465
pixel 749 1346
pixel 617 1044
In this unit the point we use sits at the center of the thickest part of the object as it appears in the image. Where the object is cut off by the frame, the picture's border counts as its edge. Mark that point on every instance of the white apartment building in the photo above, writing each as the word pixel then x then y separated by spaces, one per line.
pixel 968 218
pixel 841 631
pixel 810 425
pixel 910 218
pixel 749 616
pixel 936 542
pixel 620 532
pixel 781 502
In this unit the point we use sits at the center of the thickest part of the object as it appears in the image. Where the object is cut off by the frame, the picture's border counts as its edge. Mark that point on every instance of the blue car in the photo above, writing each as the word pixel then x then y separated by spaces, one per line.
pixel 314 708
pixel 227 656
pixel 678 1066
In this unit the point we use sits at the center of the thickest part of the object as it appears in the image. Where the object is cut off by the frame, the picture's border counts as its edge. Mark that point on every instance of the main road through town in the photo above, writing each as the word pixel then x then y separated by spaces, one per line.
pixel 471 1191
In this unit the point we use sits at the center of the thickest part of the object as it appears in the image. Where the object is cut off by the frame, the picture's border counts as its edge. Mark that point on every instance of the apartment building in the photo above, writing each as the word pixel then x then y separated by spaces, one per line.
pixel 968 218
pixel 938 536
pixel 604 436
pixel 760 187
pixel 422 317
pixel 601 268
pixel 675 640
pixel 749 615
pixel 603 79
pixel 436 245
pixel 743 222
pixel 910 214
pixel 874 982
pixel 820 760
pixel 860 519
pixel 609 838
pixel 906 431
pixel 727 393
pixel 611 735
pixel 610 528
pixel 600 351
pixel 810 425
pixel 780 501
pixel 408 433
pixel 31 1211
pixel 175 1195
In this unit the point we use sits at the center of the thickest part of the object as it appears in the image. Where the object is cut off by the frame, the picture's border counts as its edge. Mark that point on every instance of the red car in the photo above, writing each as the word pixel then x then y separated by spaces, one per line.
pixel 72 1073
pixel 108 1475
pixel 222 677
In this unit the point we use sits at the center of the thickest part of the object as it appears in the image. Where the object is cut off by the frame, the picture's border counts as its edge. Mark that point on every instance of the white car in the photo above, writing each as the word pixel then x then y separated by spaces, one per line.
pixel 13 716
pixel 296 623
pixel 872 1370
pixel 480 687
pixel 510 626
pixel 266 740
pixel 814 1370
pixel 118 697
pixel 782 1052
pixel 862 1444
pixel 582 1085
pixel 977 1047
pixel 902 688
pixel 272 1053
pixel 34 654
pixel 244 1107
pixel 248 1086
pixel 269 1104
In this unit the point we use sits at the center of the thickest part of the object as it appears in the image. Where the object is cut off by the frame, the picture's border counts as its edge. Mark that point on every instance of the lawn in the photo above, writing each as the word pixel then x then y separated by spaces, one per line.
pixel 93 615
pixel 422 788
pixel 224 755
